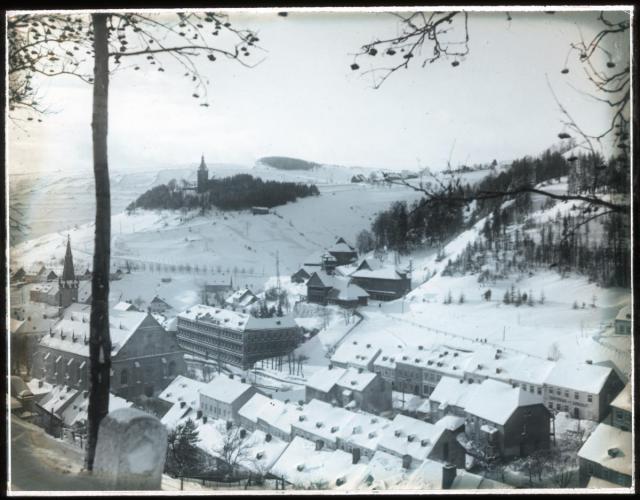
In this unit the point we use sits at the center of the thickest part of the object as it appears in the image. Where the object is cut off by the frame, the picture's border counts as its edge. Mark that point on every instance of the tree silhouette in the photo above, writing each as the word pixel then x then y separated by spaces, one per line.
pixel 54 44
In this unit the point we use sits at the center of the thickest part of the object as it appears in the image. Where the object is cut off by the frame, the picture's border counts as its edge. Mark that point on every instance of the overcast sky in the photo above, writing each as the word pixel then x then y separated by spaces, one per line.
pixel 304 101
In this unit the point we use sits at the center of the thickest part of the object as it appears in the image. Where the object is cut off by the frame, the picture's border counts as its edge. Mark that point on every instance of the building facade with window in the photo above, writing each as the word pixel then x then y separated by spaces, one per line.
pixel 144 356
pixel 583 390
pixel 235 338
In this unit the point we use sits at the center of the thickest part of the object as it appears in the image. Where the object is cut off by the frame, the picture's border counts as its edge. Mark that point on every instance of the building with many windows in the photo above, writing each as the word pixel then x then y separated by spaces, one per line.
pixel 144 356
pixel 235 338
pixel 584 390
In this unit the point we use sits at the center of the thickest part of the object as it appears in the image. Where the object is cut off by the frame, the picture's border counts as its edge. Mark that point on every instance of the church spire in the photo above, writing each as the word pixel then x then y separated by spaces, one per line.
pixel 203 166
pixel 68 273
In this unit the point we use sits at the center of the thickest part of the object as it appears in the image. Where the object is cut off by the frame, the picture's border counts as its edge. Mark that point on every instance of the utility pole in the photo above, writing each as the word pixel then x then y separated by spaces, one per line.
pixel 278 271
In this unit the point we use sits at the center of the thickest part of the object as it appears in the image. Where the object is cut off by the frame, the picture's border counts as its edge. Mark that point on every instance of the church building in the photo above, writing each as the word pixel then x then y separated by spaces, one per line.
pixel 65 291
pixel 203 176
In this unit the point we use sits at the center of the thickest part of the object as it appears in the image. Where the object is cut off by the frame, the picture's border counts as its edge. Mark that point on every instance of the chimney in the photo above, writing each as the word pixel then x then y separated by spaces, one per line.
pixel 243 433
pixel 448 475
pixel 589 361
pixel 355 455
pixel 319 444
pixel 330 366
pixel 406 461
pixel 267 437
pixel 229 424
pixel 204 419
pixel 182 404
pixel 231 376
pixel 243 380
pixel 199 414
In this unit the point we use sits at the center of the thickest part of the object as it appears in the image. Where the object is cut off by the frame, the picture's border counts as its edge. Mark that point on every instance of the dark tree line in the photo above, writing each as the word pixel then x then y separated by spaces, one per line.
pixel 229 193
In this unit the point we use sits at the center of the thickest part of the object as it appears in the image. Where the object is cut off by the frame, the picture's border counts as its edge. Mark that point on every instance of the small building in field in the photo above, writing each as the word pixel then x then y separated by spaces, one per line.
pixel 158 305
pixel 343 252
pixel 349 388
pixel 241 299
pixel 18 276
pixel 325 289
pixel 607 455
pixel 222 397
pixel 260 210
pixel 381 282
pixel 302 274
pixel 582 389
pixel 623 321
pixel 621 410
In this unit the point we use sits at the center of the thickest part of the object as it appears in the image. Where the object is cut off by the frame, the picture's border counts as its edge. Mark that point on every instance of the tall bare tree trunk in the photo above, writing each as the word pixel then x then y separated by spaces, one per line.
pixel 99 339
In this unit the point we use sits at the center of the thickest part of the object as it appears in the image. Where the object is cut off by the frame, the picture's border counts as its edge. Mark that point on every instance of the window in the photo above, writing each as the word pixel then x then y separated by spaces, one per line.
pixel 590 398
pixel 124 377
pixel 531 389
pixel 566 393
pixel 576 395
pixel 558 406
pixel 539 390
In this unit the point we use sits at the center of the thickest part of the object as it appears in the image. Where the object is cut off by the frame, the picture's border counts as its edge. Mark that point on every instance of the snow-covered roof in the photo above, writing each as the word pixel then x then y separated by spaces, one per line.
pixel 623 400
pixel 409 436
pixel 302 465
pixel 46 288
pixel 450 422
pixel 583 377
pixel 59 397
pixel 452 392
pixel 496 401
pixel 184 389
pixel 74 325
pixel 355 379
pixel 325 378
pixel 279 415
pixel 176 414
pixel 354 353
pixel 384 471
pixel 442 359
pixel 343 290
pixel 224 389
pixel 76 411
pixel 323 420
pixel 384 273
pixel 364 430
pixel 36 389
pixel 610 447
pixel 15 324
pixel 341 247
pixel 507 365
pixel 233 320
pixel 252 408
pixel 241 298
pixel 159 300
pixel 624 314
pixel 124 306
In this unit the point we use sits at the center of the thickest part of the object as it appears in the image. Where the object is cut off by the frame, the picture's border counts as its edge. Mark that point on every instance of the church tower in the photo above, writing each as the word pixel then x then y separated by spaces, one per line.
pixel 67 283
pixel 203 176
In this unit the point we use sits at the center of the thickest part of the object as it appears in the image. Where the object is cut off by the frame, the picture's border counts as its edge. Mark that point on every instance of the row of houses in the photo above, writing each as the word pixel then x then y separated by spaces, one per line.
pixel 280 432
pixel 582 389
